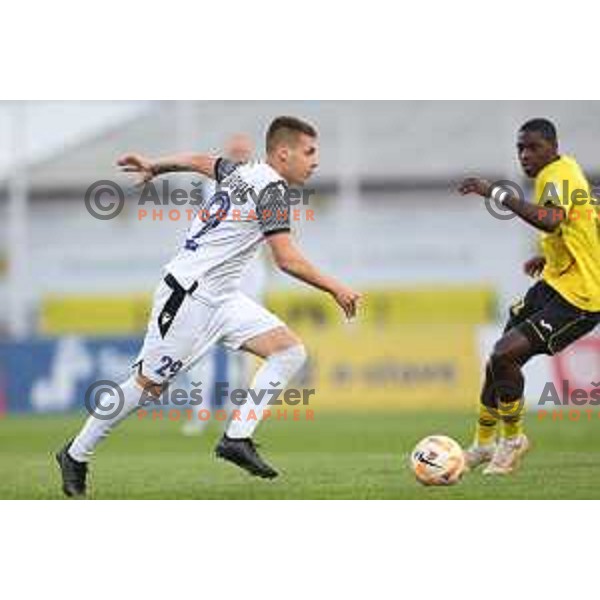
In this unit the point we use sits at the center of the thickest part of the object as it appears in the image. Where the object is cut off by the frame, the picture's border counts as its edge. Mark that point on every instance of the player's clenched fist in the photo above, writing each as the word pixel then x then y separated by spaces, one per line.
pixel 475 185
pixel 348 300
pixel 534 266
pixel 135 163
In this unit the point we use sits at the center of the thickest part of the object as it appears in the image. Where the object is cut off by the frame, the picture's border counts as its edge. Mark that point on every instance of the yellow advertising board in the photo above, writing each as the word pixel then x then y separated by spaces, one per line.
pixel 127 314
pixel 362 367
pixel 95 315
pixel 408 349
pixel 423 304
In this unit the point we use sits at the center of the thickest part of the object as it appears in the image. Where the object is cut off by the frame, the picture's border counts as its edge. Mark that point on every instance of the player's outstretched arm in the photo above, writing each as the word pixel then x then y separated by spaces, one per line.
pixel 148 168
pixel 290 259
pixel 545 218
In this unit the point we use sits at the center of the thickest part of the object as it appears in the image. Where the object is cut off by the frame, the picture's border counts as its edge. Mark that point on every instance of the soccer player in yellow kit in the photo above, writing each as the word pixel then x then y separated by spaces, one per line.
pixel 558 309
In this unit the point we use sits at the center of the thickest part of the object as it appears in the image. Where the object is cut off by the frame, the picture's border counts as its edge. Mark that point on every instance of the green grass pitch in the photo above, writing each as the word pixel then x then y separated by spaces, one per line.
pixel 336 456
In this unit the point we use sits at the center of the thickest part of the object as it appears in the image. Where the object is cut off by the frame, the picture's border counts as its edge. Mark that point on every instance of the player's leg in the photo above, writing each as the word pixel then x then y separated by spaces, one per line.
pixel 283 355
pixel 167 345
pixel 502 396
pixel 75 455
pixel 254 329
pixel 488 419
pixel 548 331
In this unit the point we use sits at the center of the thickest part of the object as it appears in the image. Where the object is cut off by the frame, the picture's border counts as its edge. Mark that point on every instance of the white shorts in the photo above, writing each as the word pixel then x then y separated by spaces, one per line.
pixel 183 338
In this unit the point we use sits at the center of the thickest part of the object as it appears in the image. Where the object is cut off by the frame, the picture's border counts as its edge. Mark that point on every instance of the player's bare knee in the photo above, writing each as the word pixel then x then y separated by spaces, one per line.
pixel 272 342
pixel 504 360
pixel 287 340
pixel 496 359
pixel 505 351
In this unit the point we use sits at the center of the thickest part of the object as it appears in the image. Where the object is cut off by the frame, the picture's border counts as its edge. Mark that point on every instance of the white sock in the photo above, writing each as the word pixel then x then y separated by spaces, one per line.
pixel 95 429
pixel 279 367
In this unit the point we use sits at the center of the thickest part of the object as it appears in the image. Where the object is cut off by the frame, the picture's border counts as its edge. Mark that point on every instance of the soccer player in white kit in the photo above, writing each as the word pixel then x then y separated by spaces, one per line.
pixel 239 149
pixel 198 302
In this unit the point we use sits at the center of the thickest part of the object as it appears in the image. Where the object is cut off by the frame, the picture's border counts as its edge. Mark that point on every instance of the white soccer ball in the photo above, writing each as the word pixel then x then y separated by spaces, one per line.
pixel 438 460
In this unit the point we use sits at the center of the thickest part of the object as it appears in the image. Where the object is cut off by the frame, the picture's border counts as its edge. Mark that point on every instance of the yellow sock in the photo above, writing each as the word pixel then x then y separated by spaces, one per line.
pixel 511 414
pixel 486 427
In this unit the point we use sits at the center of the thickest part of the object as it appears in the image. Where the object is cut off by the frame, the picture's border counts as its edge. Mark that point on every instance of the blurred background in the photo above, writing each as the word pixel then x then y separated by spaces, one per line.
pixel 437 269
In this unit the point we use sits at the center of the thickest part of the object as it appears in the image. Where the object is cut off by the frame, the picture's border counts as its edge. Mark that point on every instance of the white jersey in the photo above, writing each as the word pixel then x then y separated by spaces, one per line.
pixel 255 278
pixel 251 203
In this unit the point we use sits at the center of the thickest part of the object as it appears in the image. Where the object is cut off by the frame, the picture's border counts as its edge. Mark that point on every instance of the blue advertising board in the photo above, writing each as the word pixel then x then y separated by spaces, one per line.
pixel 53 375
